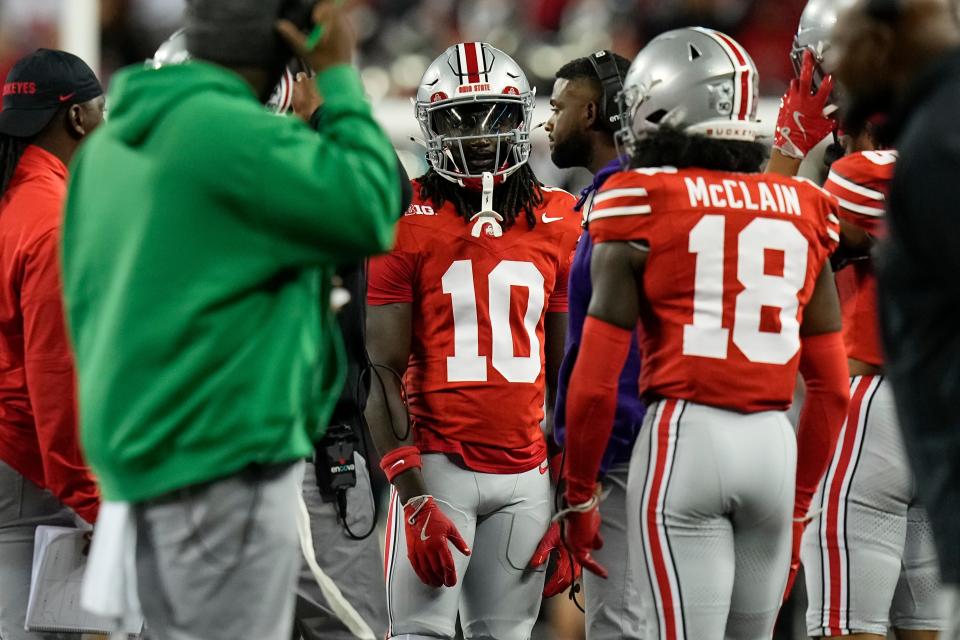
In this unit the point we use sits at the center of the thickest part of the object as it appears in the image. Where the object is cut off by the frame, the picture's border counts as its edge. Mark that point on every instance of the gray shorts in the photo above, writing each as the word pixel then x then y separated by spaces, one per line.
pixel 23 507
pixel 868 555
pixel 711 493
pixel 502 517
pixel 613 604
pixel 219 561
pixel 354 565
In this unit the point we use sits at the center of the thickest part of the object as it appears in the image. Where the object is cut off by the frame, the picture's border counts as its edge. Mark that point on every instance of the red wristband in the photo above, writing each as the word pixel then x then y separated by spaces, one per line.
pixel 399 460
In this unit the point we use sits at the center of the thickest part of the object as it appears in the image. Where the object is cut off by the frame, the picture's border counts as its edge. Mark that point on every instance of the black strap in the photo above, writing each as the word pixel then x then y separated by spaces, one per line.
pixel 611 84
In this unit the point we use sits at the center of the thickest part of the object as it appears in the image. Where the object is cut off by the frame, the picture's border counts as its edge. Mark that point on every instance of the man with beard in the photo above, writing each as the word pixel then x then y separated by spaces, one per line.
pixel 584 118
pixel 902 59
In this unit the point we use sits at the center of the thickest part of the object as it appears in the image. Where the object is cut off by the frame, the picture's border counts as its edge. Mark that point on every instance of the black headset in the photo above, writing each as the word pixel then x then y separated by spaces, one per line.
pixel 611 84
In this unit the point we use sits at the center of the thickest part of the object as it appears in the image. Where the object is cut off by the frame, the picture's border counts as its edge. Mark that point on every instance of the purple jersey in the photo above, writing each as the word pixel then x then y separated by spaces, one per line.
pixel 630 408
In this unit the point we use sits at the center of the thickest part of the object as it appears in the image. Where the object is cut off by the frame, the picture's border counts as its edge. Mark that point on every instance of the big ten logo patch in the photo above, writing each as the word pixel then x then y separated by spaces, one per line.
pixel 420 210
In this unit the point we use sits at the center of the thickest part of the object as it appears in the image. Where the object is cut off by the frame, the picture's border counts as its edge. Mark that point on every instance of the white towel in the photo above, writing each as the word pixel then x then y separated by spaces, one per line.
pixel 110 582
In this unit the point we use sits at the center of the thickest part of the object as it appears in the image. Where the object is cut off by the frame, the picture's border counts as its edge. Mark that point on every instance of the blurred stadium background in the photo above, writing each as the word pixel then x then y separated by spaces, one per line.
pixel 400 37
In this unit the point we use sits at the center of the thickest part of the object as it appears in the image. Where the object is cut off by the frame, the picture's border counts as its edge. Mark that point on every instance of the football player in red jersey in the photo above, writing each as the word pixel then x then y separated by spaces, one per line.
pixel 470 310
pixel 727 272
pixel 868 554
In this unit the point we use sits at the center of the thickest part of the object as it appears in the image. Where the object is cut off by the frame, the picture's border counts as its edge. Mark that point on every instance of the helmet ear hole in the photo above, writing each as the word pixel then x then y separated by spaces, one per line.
pixel 694 52
pixel 657 116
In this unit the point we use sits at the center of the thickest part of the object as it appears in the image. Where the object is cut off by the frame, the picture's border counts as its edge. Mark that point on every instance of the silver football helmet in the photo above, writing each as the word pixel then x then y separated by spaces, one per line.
pixel 694 79
pixel 816 24
pixel 474 106
pixel 174 51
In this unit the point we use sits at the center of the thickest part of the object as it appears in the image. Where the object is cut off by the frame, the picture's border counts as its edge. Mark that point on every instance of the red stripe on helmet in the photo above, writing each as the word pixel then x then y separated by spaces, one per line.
pixel 472 52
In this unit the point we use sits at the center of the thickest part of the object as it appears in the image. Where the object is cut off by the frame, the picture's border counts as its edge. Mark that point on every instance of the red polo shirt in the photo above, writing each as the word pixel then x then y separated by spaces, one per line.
pixel 38 425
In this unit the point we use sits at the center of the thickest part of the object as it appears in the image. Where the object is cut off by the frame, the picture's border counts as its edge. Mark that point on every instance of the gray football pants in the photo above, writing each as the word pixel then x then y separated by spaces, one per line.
pixel 613 604
pixel 354 565
pixel 219 561
pixel 502 517
pixel 711 499
pixel 868 554
pixel 23 507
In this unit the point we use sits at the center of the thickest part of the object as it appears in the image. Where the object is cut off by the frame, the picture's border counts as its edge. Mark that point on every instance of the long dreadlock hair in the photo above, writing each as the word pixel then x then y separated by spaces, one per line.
pixel 11 150
pixel 519 193
pixel 668 146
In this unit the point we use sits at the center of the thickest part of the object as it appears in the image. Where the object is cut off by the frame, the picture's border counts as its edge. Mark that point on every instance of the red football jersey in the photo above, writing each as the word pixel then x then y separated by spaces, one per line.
pixel 860 182
pixel 475 379
pixel 733 259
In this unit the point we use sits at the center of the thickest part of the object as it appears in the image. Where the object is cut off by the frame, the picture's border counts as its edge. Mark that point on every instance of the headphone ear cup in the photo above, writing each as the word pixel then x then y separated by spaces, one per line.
pixel 611 84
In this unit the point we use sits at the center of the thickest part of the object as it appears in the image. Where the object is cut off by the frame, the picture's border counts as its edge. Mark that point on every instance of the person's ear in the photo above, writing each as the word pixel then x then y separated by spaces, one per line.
pixel 591 114
pixel 75 121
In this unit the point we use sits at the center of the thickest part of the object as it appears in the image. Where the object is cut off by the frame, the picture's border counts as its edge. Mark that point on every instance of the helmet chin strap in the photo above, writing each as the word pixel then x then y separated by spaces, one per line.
pixel 487 217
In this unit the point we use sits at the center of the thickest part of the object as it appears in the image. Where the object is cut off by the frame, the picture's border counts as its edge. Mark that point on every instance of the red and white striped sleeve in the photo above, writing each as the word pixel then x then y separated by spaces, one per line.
pixel 621 210
pixel 860 182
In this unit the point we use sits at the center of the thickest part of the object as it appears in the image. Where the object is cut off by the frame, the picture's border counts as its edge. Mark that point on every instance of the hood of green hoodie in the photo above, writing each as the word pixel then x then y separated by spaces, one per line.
pixel 140 97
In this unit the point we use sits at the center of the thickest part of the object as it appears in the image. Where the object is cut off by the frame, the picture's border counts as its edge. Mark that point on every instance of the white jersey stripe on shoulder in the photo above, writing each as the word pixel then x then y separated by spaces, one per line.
pixel 603 196
pixel 859 208
pixel 555 190
pixel 615 212
pixel 832 218
pixel 652 171
pixel 833 235
pixel 854 187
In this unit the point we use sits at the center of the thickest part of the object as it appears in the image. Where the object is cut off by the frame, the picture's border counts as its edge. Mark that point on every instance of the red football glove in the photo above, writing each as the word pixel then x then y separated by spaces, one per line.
pixel 565 570
pixel 581 535
pixel 802 123
pixel 428 529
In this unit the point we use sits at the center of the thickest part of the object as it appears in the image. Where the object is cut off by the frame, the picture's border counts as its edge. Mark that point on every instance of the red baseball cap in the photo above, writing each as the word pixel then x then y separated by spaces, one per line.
pixel 40 84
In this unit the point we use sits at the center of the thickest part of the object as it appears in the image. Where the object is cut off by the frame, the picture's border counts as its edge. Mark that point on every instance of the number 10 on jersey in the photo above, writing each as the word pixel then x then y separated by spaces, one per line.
pixel 467 364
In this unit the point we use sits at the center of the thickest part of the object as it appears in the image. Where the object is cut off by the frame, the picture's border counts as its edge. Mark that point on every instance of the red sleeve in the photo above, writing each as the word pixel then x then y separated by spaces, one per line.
pixel 51 381
pixel 391 276
pixel 592 402
pixel 860 182
pixel 823 364
pixel 623 208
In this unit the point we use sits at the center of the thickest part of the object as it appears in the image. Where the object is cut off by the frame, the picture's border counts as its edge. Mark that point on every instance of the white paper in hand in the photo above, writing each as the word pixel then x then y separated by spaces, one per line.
pixel 59 562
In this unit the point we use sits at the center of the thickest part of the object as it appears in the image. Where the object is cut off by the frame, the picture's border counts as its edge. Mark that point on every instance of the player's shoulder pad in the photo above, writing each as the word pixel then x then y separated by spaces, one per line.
pixel 828 209
pixel 866 168
pixel 558 205
pixel 628 193
pixel 860 181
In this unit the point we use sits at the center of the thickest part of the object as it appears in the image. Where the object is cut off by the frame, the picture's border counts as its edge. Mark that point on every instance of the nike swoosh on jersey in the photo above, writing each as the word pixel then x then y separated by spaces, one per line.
pixel 548 220
pixel 423 532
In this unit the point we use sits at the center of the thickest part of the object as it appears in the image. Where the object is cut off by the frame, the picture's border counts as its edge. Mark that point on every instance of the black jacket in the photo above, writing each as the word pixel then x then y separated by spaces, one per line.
pixel 919 272
pixel 352 319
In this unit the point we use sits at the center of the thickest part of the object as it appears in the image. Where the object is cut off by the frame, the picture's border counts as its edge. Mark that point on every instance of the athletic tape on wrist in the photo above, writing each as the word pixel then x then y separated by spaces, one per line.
pixel 399 460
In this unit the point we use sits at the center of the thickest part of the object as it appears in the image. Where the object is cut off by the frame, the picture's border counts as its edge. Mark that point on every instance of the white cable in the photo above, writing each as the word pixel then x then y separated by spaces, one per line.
pixel 341 607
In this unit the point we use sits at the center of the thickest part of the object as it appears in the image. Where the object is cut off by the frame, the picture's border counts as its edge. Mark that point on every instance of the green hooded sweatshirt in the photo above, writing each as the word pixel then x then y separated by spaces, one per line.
pixel 199 243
